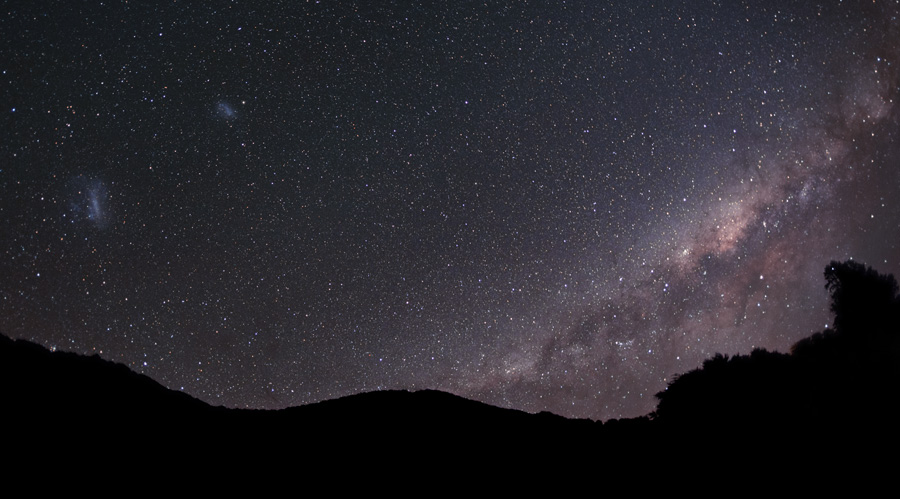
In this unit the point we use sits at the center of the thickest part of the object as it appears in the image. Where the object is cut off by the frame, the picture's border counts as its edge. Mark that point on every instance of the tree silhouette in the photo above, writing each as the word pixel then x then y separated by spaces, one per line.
pixel 864 302
pixel 844 377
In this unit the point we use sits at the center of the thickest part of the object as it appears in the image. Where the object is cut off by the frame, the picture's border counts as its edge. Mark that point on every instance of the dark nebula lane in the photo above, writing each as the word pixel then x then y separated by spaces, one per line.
pixel 546 207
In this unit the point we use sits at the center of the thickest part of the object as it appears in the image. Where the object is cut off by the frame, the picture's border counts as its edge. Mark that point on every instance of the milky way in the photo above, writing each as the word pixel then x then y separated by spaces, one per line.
pixel 547 207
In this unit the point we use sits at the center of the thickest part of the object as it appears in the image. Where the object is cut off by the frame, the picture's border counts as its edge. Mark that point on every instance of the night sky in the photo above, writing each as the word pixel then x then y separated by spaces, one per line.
pixel 541 205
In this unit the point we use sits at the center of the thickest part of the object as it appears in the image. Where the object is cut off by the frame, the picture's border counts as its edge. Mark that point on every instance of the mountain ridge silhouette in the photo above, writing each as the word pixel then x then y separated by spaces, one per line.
pixel 836 389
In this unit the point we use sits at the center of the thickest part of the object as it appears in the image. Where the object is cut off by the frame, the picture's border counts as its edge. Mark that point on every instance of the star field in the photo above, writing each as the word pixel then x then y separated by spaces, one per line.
pixel 542 206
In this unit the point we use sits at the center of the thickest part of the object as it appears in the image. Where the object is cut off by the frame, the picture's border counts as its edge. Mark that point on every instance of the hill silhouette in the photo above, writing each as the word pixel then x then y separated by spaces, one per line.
pixel 840 382
pixel 100 410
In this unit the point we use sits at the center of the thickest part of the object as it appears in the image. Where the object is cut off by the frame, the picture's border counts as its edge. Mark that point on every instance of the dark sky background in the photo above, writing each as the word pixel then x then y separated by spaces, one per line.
pixel 541 205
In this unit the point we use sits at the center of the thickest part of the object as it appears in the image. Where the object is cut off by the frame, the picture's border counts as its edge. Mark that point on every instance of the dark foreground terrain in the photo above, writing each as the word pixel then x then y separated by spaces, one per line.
pixel 835 393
